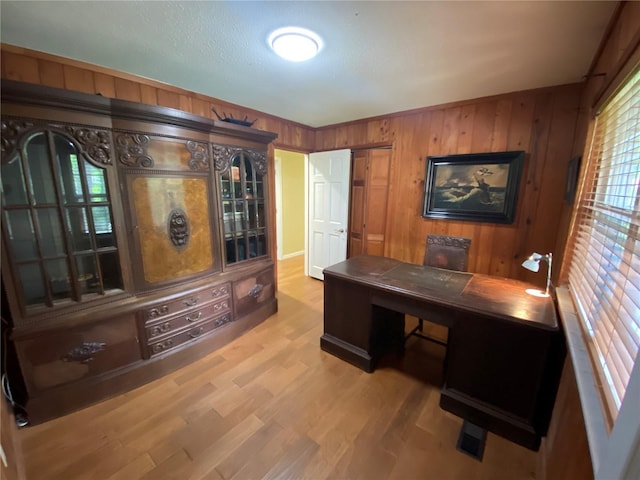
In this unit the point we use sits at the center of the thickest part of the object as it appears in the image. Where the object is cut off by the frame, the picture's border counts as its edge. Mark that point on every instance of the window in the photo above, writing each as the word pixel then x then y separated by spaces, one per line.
pixel 97 192
pixel 604 269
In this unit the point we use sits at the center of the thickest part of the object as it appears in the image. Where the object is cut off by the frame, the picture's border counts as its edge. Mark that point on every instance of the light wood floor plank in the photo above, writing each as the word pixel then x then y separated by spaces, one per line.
pixel 273 405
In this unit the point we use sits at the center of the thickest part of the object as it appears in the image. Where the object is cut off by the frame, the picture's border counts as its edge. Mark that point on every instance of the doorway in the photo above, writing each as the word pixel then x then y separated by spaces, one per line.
pixel 290 203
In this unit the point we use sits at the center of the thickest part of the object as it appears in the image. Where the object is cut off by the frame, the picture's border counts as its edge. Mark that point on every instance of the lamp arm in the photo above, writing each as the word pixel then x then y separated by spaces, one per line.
pixel 549 258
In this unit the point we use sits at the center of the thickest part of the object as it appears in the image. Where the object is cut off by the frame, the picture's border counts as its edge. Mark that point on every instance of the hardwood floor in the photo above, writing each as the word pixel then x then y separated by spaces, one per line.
pixel 271 404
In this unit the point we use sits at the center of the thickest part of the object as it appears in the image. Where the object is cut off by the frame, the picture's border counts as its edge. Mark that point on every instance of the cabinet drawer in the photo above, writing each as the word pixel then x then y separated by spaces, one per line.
pixel 194 317
pixel 252 291
pixel 187 335
pixel 67 356
pixel 169 308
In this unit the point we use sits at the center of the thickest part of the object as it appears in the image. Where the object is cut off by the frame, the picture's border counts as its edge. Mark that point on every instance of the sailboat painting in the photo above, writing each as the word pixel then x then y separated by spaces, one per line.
pixel 477 187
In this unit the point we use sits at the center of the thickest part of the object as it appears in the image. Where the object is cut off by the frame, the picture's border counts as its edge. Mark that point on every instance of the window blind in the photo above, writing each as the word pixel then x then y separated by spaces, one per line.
pixel 604 270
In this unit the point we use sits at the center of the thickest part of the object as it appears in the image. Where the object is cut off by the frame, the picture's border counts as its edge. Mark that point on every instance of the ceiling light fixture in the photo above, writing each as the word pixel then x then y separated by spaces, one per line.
pixel 295 44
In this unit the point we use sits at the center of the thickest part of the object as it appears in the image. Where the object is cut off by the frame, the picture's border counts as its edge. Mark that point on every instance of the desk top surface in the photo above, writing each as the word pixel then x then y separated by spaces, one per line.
pixel 477 293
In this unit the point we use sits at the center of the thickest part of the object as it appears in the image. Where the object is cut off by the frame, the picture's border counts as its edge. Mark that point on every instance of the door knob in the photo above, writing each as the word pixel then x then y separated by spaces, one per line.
pixel 340 231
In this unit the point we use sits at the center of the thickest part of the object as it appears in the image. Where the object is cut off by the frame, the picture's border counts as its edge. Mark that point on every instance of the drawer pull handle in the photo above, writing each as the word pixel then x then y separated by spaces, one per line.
pixel 219 291
pixel 220 306
pixel 196 333
pixel 222 320
pixel 194 318
pixel 191 302
pixel 84 352
pixel 159 347
pixel 255 290
pixel 164 328
pixel 158 312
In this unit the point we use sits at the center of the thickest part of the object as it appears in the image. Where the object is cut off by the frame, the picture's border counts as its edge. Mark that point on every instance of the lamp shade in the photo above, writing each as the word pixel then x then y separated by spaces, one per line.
pixel 533 262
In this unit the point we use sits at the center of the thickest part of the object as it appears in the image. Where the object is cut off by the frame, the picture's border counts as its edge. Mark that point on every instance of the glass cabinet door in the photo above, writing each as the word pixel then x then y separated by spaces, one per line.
pixel 57 222
pixel 243 210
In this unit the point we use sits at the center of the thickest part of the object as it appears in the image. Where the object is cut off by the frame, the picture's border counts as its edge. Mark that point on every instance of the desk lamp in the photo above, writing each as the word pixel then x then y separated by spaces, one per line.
pixel 533 263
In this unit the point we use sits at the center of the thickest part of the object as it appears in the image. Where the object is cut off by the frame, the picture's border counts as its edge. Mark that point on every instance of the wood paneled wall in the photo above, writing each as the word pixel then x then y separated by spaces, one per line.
pixel 43 69
pixel 540 122
pixel 565 451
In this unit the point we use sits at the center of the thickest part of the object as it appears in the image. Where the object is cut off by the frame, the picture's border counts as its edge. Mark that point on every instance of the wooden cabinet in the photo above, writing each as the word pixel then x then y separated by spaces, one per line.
pixel 369 193
pixel 134 240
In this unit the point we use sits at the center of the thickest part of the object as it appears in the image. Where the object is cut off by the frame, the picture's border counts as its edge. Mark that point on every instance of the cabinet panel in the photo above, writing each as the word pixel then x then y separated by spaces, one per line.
pixel 172 218
pixel 253 291
pixel 69 355
pixel 161 153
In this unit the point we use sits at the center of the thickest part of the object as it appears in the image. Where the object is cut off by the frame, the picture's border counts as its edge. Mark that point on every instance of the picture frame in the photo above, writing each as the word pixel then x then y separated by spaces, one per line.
pixel 573 170
pixel 480 187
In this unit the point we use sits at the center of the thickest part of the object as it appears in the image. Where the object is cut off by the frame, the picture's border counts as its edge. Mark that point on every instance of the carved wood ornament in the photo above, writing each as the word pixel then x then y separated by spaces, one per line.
pixel 178 226
pixel 222 156
pixel 199 155
pixel 132 150
pixel 93 144
pixel 84 352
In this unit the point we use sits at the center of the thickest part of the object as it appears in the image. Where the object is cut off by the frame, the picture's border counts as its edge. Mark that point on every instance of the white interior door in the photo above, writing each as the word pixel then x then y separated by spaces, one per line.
pixel 328 209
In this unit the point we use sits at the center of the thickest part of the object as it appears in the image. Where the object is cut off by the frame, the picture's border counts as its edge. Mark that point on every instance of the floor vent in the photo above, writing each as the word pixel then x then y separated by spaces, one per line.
pixel 471 440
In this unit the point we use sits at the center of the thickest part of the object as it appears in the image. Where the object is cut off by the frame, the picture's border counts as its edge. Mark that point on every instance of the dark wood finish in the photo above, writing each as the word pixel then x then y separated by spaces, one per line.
pixel 253 291
pixel 68 355
pixel 162 330
pixel 505 349
pixel 176 299
pixel 451 253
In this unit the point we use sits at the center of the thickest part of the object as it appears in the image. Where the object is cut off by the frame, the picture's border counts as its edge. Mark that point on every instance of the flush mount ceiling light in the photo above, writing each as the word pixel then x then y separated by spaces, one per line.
pixel 295 44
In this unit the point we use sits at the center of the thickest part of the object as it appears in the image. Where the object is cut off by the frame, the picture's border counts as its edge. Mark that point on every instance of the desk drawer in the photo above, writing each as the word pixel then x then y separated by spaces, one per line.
pixel 188 302
pixel 187 335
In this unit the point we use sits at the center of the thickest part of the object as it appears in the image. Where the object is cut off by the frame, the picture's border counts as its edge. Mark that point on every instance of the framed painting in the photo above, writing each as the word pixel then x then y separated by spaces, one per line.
pixel 573 169
pixel 481 187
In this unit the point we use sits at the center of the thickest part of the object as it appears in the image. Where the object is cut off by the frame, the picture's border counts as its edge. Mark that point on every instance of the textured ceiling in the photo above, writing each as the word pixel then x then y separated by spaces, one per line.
pixel 378 57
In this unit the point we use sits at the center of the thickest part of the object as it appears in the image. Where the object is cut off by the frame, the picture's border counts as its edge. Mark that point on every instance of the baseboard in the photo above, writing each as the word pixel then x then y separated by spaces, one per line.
pixel 294 254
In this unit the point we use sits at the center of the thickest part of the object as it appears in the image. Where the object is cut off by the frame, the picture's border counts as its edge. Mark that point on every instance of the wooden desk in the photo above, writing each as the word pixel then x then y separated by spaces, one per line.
pixel 505 350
